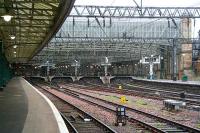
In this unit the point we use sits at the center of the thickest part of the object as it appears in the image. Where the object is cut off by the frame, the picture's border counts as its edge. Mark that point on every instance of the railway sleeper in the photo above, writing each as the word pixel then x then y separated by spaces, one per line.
pixel 85 124
pixel 90 127
pixel 71 93
pixel 85 118
pixel 159 125
pixel 66 111
pixel 72 117
pixel 138 127
pixel 172 130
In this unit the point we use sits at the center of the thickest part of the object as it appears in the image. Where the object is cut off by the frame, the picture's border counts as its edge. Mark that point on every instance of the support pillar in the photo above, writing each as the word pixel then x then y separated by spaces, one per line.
pixel 76 65
pixel 48 69
pixel 162 65
pixel 106 64
pixel 76 71
pixel 174 61
pixel 151 61
pixel 106 70
pixel 151 70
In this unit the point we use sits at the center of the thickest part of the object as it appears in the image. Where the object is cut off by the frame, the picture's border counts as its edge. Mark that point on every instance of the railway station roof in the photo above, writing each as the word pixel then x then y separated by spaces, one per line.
pixel 32 25
pixel 120 32
pixel 120 39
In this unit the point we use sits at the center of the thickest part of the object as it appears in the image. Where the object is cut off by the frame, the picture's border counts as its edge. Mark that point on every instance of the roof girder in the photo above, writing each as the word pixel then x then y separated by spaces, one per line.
pixel 33 23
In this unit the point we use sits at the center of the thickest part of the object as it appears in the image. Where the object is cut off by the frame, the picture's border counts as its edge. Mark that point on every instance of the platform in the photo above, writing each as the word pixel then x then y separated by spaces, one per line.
pixel 24 110
pixel 193 83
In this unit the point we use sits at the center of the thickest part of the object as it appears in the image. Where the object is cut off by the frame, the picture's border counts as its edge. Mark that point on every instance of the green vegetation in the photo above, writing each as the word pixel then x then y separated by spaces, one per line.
pixel 160 125
pixel 141 102
pixel 198 125
pixel 111 98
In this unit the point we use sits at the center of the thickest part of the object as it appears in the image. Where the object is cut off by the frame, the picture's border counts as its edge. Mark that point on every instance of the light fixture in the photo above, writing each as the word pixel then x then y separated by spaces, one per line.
pixel 12 37
pixel 14 52
pixel 15 46
pixel 7 17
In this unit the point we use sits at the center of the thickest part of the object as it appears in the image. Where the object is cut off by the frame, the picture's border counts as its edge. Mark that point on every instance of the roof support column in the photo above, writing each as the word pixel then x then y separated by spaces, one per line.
pixel 174 61
pixel 162 63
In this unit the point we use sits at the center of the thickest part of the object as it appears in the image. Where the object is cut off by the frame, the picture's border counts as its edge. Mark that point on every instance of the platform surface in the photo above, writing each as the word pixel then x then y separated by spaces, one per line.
pixel 23 110
pixel 196 83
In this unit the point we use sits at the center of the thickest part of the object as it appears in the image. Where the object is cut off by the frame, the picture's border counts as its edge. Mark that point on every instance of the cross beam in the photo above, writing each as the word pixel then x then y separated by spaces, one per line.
pixel 135 12
pixel 129 40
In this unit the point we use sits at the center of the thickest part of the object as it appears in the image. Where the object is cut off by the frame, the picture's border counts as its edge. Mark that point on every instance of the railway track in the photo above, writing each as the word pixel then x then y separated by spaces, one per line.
pixel 144 91
pixel 191 99
pixel 191 89
pixel 151 90
pixel 152 122
pixel 166 89
pixel 160 89
pixel 77 120
pixel 138 126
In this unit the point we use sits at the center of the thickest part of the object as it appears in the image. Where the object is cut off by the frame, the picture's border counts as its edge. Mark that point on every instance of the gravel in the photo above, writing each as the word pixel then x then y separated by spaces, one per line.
pixel 155 107
pixel 101 114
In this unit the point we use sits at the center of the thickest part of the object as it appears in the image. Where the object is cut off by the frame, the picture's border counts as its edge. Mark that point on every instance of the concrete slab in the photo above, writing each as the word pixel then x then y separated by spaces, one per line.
pixel 24 110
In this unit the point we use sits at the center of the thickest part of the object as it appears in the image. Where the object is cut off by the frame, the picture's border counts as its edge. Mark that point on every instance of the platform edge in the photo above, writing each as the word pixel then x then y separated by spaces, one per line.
pixel 61 124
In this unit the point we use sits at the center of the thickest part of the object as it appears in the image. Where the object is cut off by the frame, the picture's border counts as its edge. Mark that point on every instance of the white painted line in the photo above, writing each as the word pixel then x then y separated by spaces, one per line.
pixel 61 124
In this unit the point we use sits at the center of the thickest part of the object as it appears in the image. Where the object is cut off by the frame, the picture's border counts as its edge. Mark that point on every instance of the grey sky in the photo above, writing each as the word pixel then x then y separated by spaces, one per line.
pixel 161 3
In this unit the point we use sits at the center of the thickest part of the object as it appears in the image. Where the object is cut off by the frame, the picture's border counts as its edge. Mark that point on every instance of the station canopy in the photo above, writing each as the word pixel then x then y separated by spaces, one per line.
pixel 90 39
pixel 32 25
